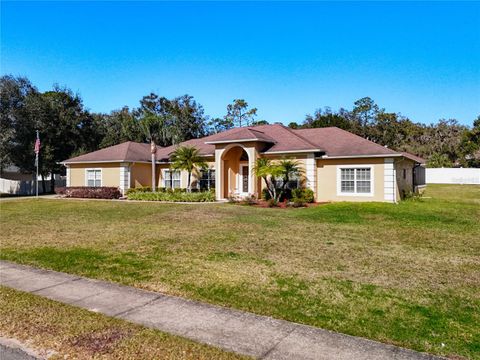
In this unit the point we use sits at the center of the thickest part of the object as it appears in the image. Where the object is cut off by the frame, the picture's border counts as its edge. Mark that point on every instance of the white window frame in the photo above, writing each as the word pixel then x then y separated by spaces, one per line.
pixel 94 169
pixel 239 188
pixel 355 193
pixel 164 178
pixel 209 180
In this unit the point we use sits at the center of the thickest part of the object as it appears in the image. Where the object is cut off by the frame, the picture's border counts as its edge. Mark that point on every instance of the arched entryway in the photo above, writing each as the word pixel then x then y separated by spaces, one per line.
pixel 236 172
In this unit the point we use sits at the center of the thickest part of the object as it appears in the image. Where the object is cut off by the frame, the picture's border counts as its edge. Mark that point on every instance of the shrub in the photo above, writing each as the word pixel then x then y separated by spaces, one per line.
pixel 103 192
pixel 309 195
pixel 271 203
pixel 303 194
pixel 174 196
pixel 139 189
pixel 265 194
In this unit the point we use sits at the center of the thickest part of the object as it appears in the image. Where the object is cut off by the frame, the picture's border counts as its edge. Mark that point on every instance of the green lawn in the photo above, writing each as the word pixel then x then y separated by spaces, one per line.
pixel 406 274
pixel 74 333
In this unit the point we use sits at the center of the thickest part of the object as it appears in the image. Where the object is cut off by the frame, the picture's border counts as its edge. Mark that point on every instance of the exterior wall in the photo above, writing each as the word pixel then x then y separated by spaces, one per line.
pixel 404 184
pixel 327 179
pixel 184 174
pixel 140 175
pixel 110 173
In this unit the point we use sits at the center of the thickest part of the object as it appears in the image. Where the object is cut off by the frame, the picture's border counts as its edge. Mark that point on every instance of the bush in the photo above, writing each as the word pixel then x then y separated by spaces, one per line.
pixel 174 196
pixel 271 203
pixel 139 189
pixel 103 192
pixel 303 195
pixel 265 194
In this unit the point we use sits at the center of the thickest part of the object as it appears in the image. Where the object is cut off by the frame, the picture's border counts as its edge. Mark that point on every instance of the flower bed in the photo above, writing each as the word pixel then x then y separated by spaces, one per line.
pixel 173 196
pixel 102 192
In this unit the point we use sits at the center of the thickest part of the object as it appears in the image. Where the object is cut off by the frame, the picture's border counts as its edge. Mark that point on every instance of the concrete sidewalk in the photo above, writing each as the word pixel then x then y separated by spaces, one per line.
pixel 241 332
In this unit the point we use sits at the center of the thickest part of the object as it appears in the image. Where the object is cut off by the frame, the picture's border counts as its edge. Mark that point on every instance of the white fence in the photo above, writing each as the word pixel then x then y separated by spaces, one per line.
pixel 453 176
pixel 17 187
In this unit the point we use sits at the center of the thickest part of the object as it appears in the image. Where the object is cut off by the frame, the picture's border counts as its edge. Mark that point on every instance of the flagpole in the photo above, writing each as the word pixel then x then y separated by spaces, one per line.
pixel 36 178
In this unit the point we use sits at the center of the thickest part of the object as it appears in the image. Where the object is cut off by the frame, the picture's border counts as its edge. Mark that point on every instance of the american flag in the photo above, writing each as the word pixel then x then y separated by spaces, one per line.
pixel 37 145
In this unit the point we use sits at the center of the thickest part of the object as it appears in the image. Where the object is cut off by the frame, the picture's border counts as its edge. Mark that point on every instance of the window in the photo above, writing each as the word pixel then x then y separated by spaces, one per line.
pixel 356 181
pixel 94 177
pixel 294 182
pixel 172 179
pixel 207 179
pixel 404 174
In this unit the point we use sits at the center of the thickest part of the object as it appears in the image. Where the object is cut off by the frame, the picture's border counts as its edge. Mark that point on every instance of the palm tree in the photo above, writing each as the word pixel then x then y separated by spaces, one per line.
pixel 187 158
pixel 268 171
pixel 289 168
pixel 154 130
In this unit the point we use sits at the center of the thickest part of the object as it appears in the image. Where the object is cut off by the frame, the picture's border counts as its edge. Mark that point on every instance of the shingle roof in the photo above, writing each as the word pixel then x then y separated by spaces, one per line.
pixel 415 158
pixel 337 142
pixel 128 151
pixel 332 141
pixel 242 133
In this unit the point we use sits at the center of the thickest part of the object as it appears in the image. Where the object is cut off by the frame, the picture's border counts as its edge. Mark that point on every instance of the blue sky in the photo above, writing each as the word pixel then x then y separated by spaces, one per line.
pixel 286 59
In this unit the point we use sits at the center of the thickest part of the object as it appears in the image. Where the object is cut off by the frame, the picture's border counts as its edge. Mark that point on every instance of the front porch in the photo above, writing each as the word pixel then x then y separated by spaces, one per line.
pixel 234 174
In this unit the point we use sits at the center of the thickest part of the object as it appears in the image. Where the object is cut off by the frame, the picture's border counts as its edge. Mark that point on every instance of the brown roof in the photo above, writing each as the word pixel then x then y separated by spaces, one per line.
pixel 278 138
pixel 128 151
pixel 332 141
pixel 242 133
pixel 337 142
pixel 415 158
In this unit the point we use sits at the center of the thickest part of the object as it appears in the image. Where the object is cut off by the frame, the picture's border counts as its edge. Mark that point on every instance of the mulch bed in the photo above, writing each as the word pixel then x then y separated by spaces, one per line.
pixel 280 205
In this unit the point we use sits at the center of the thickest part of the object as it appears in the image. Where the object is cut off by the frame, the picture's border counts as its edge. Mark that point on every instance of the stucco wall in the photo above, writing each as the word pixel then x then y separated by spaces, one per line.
pixel 404 185
pixel 110 173
pixel 140 175
pixel 184 174
pixel 327 179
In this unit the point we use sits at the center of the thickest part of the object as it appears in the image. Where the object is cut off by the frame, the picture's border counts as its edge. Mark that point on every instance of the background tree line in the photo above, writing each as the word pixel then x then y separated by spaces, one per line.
pixel 68 129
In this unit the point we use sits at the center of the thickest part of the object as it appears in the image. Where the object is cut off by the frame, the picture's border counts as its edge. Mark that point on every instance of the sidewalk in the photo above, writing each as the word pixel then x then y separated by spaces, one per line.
pixel 241 332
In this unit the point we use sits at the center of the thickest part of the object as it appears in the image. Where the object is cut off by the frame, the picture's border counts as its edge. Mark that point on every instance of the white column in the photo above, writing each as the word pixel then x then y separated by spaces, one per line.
pixel 251 164
pixel 310 172
pixel 68 175
pixel 124 178
pixel 218 174
pixel 389 180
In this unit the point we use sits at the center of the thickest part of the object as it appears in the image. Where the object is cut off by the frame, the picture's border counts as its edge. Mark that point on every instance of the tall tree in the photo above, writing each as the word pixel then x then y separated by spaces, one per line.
pixel 470 145
pixel 14 92
pixel 217 125
pixel 119 126
pixel 153 127
pixel 239 114
pixel 366 110
pixel 184 117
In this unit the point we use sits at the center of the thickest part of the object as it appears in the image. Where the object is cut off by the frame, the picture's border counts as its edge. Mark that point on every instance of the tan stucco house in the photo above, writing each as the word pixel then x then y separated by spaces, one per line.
pixel 338 165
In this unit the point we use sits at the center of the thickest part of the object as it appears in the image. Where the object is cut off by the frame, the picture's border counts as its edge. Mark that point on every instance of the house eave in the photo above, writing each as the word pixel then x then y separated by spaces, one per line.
pixel 290 151
pixel 237 141
pixel 102 162
pixel 359 156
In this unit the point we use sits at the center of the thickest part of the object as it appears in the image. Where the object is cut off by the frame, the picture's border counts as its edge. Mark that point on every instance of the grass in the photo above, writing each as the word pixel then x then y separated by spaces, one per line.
pixel 71 332
pixel 406 274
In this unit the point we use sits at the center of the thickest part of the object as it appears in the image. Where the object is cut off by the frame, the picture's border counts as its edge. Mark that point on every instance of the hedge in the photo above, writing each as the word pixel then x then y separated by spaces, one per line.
pixel 103 192
pixel 204 196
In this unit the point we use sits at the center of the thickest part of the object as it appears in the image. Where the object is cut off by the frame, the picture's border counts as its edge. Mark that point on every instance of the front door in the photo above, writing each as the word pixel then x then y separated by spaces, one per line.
pixel 244 179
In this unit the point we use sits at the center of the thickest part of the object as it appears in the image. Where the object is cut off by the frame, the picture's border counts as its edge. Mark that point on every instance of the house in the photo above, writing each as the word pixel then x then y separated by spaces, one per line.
pixel 338 165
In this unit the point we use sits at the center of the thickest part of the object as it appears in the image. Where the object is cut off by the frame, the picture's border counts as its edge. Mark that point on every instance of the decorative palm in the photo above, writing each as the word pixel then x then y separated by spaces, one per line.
pixel 187 158
pixel 289 168
pixel 153 128
pixel 269 172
